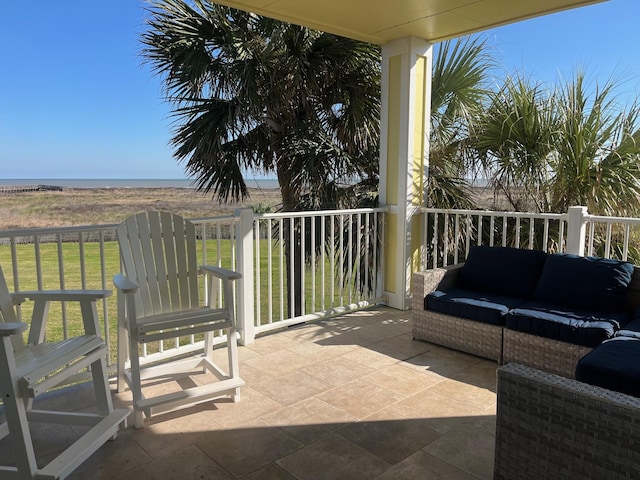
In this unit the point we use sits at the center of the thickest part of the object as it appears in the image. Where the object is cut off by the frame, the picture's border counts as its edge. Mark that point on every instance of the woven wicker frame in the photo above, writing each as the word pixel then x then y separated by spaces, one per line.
pixel 542 353
pixel 477 338
pixel 554 428
pixel 492 341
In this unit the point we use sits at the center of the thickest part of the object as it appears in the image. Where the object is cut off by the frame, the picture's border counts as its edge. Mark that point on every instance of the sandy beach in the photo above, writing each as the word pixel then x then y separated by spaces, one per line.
pixel 90 206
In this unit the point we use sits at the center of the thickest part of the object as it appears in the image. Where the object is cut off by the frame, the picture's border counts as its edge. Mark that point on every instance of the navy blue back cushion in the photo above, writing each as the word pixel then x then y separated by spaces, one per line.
pixel 502 270
pixel 588 283
pixel 566 324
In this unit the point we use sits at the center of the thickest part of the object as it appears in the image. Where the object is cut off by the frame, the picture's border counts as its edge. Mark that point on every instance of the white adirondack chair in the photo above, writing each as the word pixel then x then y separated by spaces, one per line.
pixel 158 299
pixel 29 369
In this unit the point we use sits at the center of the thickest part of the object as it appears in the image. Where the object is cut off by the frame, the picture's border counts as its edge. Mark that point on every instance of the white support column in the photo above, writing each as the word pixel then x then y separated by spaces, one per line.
pixel 576 230
pixel 404 147
pixel 246 305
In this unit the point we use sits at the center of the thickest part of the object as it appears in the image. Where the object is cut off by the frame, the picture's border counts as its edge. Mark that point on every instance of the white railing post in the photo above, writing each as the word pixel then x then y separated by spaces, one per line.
pixel 576 230
pixel 244 241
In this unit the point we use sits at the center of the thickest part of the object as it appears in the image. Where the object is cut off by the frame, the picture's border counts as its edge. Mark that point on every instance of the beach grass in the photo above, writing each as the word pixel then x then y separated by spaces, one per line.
pixel 97 206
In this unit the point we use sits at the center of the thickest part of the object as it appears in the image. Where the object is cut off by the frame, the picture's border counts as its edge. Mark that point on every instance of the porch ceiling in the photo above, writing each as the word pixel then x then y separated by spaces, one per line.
pixel 380 21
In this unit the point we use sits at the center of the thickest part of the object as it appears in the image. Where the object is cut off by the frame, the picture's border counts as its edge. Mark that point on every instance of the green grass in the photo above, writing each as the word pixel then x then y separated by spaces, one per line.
pixel 97 277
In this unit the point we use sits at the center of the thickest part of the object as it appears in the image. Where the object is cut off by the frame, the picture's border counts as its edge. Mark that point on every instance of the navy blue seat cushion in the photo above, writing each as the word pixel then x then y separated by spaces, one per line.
pixel 580 327
pixel 472 305
pixel 614 365
pixel 587 283
pixel 502 270
pixel 631 329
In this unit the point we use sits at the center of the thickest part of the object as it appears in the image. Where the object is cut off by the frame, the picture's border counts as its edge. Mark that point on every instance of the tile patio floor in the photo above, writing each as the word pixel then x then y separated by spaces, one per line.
pixel 353 397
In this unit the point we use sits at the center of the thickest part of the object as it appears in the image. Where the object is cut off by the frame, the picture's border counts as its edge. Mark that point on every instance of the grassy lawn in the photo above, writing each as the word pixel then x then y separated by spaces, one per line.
pixel 101 266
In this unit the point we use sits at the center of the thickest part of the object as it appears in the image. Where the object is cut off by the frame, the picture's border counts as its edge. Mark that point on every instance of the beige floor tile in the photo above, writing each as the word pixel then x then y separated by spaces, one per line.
pixel 252 406
pixel 279 362
pixel 269 344
pixel 401 347
pixel 333 457
pixel 243 450
pixel 320 352
pixel 292 387
pixel 165 434
pixel 349 397
pixel 442 412
pixel 115 457
pixel 469 447
pixel 439 362
pixel 338 370
pixel 309 332
pixel 187 463
pixel 252 375
pixel 391 440
pixel 482 374
pixel 403 380
pixel 269 472
pixel 424 466
pixel 370 358
pixel 360 398
pixel 477 396
pixel 309 420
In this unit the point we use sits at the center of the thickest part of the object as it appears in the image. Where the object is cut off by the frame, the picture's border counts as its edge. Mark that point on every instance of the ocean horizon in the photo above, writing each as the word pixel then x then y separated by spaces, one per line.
pixel 262 183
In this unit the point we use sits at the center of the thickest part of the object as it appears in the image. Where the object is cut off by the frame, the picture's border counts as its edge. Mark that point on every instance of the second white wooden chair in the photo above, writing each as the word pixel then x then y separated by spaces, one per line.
pixel 29 369
pixel 159 299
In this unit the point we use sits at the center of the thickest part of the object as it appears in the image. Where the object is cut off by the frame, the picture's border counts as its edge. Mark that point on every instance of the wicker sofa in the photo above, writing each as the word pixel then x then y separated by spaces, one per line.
pixel 499 342
pixel 553 427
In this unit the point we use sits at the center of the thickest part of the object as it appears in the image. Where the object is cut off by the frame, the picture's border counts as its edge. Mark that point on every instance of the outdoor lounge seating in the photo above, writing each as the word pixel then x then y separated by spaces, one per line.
pixel 28 370
pixel 553 427
pixel 159 299
pixel 525 306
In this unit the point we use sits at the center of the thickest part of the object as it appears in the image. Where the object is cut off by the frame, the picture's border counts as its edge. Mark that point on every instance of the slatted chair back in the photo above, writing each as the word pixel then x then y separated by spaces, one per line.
pixel 158 251
pixel 8 312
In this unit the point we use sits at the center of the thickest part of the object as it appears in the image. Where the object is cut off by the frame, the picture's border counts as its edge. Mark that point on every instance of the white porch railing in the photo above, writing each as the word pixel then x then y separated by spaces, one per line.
pixel 449 234
pixel 336 262
pixel 336 253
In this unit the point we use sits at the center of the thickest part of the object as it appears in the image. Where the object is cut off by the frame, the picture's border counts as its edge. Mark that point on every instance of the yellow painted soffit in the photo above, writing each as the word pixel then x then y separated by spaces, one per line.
pixel 380 21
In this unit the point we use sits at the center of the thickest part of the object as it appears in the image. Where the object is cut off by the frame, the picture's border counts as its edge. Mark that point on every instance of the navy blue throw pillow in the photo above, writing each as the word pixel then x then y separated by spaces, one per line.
pixel 502 270
pixel 588 283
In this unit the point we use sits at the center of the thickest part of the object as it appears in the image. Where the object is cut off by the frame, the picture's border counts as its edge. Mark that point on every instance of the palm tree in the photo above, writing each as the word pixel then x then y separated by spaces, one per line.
pixel 547 150
pixel 553 149
pixel 597 151
pixel 459 89
pixel 252 94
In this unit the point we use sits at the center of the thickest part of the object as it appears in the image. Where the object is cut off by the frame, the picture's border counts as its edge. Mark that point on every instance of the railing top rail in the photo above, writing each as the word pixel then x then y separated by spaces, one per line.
pixel 492 213
pixel 56 230
pixel 603 219
pixel 220 219
pixel 317 213
pixel 95 228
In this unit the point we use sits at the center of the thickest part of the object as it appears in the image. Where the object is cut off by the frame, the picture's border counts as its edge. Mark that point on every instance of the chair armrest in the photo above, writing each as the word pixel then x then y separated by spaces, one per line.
pixel 124 285
pixel 11 328
pixel 61 295
pixel 221 273
pixel 428 281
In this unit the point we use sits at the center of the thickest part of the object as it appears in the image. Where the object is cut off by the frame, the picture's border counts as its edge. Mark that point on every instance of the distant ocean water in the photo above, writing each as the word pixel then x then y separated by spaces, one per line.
pixel 264 183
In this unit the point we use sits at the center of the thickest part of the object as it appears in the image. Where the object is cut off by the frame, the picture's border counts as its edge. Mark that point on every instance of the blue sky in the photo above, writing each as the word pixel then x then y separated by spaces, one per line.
pixel 77 102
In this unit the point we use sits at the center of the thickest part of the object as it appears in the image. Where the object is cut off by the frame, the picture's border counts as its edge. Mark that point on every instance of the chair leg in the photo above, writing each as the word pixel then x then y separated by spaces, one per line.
pixel 101 386
pixel 208 349
pixel 234 366
pixel 136 384
pixel 16 413
pixel 123 344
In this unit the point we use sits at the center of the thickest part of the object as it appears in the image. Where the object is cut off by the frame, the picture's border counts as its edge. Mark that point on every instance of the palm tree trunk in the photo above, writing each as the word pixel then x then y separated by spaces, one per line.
pixel 294 257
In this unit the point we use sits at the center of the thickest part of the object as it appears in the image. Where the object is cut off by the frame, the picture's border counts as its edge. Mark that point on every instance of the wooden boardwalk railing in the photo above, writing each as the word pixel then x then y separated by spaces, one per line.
pixel 7 189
